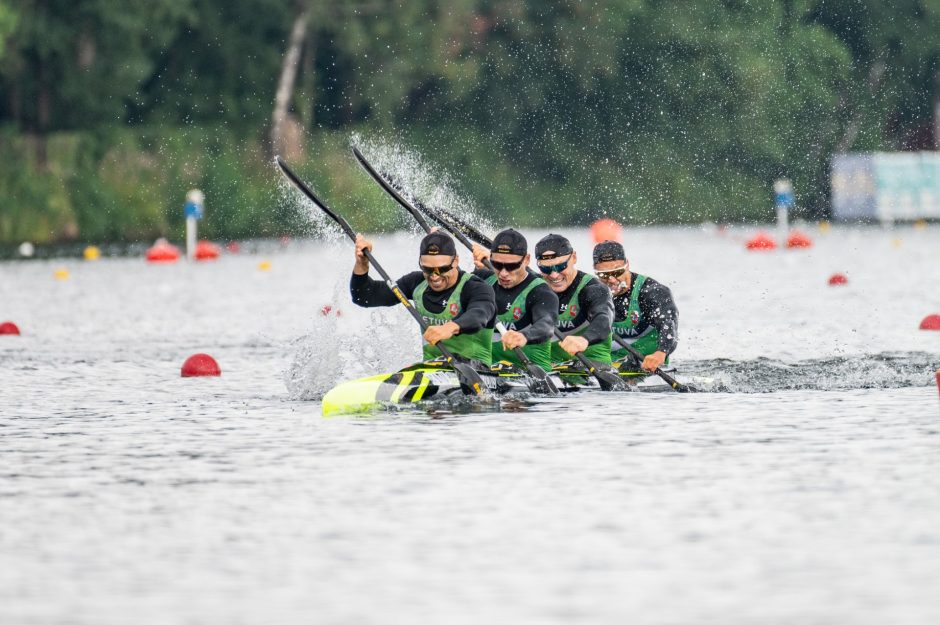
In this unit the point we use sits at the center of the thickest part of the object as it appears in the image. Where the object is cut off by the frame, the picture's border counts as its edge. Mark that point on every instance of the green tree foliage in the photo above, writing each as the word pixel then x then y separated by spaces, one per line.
pixel 548 112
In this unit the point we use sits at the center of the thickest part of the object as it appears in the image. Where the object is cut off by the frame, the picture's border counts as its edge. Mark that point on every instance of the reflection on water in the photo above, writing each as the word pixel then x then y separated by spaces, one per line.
pixel 801 489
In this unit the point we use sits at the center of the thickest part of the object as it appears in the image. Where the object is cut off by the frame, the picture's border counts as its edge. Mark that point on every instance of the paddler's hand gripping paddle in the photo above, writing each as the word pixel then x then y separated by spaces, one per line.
pixel 668 379
pixel 470 381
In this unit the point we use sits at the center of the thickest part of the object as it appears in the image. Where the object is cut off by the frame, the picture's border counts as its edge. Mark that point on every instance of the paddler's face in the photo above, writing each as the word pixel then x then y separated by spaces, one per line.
pixel 439 271
pixel 615 274
pixel 558 271
pixel 510 268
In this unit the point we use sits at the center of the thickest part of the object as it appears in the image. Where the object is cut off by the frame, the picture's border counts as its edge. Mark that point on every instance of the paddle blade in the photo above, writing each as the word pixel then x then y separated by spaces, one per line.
pixel 541 383
pixel 610 381
pixel 470 381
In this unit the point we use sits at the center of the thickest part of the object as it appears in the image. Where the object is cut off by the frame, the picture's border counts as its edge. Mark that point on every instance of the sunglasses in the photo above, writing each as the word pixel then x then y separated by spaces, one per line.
pixel 611 273
pixel 548 270
pixel 498 266
pixel 436 271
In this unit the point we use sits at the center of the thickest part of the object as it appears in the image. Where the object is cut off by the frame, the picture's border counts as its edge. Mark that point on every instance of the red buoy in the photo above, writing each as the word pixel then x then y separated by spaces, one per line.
pixel 838 279
pixel 328 308
pixel 930 322
pixel 8 327
pixel 798 239
pixel 199 365
pixel 233 247
pixel 207 251
pixel 761 241
pixel 162 252
pixel 606 230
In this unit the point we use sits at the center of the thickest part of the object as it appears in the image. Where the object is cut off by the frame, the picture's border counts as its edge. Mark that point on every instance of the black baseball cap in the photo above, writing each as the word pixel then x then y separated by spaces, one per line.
pixel 510 242
pixel 552 246
pixel 437 244
pixel 608 250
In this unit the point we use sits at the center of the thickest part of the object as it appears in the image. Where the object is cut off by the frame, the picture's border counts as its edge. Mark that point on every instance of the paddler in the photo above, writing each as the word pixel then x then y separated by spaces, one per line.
pixel 645 315
pixel 585 310
pixel 524 302
pixel 458 307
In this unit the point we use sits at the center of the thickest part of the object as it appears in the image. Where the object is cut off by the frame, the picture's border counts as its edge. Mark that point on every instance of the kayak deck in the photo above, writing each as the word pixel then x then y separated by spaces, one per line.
pixel 434 380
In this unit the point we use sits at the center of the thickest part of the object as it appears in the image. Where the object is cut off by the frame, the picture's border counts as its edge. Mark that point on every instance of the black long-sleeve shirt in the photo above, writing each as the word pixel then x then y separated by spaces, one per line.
pixel 477 305
pixel 657 309
pixel 537 325
pixel 594 306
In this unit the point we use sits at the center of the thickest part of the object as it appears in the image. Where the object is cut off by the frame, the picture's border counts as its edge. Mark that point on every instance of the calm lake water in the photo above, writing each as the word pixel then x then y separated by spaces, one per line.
pixel 802 487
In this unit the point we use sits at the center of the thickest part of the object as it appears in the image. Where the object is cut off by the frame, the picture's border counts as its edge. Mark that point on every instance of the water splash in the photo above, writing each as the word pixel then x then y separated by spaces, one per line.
pixel 766 375
pixel 350 344
pixel 420 180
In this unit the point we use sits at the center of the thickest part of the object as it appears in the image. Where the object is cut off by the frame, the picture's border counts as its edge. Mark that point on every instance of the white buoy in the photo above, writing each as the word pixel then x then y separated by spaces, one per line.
pixel 193 211
pixel 26 249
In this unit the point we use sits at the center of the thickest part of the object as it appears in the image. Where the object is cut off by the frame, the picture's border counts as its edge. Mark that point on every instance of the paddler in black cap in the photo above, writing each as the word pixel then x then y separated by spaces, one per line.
pixel 524 303
pixel 585 311
pixel 644 313
pixel 458 307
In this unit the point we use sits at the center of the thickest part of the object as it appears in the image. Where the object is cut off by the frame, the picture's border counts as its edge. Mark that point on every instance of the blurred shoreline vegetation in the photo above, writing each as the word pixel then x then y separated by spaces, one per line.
pixel 650 111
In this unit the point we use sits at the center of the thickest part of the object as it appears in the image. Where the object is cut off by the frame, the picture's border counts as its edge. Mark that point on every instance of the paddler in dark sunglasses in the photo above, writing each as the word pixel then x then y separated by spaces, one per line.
pixel 457 306
pixel 524 303
pixel 585 311
pixel 644 313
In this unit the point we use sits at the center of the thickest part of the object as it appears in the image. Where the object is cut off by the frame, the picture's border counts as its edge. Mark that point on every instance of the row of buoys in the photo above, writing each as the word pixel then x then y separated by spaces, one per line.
pixel 763 241
pixel 165 252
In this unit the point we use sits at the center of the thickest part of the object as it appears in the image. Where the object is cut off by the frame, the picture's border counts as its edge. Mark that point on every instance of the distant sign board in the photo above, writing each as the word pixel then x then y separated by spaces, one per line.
pixel 886 186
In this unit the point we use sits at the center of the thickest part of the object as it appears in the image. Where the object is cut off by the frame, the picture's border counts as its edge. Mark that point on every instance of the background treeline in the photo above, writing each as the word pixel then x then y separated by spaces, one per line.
pixel 554 112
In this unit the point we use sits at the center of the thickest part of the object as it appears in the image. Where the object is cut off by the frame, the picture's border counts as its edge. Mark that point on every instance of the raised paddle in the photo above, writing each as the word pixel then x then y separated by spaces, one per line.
pixel 470 381
pixel 541 382
pixel 608 380
pixel 668 379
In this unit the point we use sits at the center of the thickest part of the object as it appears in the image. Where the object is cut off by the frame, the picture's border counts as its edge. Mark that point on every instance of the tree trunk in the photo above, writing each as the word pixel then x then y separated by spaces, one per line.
pixel 285 86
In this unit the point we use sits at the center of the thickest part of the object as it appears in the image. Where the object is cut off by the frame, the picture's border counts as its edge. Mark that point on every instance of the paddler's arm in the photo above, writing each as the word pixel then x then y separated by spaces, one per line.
pixel 657 305
pixel 596 299
pixel 478 304
pixel 543 304
pixel 370 293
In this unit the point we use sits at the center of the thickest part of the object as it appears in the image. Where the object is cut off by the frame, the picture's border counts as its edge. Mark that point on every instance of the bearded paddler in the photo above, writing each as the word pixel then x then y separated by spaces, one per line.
pixel 645 315
pixel 458 307
pixel 585 309
pixel 524 302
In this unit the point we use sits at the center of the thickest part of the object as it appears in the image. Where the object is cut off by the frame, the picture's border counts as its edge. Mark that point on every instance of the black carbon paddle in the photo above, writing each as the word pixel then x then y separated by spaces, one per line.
pixel 470 381
pixel 668 379
pixel 541 382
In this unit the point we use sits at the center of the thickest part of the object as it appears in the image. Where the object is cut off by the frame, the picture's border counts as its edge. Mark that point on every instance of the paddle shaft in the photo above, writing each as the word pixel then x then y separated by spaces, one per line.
pixel 352 235
pixel 668 379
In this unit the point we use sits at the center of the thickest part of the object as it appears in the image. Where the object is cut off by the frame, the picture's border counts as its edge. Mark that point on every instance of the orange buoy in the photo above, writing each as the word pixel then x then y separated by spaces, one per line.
pixel 207 251
pixel 606 230
pixel 761 241
pixel 798 239
pixel 199 365
pixel 838 279
pixel 162 252
pixel 930 322
pixel 8 327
